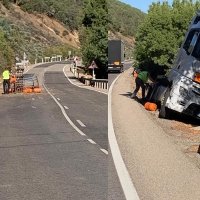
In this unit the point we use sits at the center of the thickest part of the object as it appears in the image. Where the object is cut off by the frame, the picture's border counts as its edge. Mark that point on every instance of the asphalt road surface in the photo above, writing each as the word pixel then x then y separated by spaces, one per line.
pixel 42 155
pixel 113 75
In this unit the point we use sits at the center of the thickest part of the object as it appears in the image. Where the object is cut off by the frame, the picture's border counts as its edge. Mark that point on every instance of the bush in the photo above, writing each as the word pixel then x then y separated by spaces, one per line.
pixel 65 32
pixel 57 31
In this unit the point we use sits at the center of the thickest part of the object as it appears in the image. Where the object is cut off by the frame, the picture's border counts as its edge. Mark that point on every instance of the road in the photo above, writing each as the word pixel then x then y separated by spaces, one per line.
pixel 113 75
pixel 115 191
pixel 45 153
pixel 159 170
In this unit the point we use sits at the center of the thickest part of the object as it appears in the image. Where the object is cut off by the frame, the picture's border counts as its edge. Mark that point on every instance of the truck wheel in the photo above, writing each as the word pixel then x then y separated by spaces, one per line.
pixel 164 111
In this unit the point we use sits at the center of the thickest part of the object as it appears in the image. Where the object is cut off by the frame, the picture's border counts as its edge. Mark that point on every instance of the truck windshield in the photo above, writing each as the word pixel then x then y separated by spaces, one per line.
pixel 190 41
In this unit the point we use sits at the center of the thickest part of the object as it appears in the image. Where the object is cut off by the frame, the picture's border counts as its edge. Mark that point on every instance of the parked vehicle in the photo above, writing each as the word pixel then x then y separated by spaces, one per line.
pixel 116 55
pixel 180 90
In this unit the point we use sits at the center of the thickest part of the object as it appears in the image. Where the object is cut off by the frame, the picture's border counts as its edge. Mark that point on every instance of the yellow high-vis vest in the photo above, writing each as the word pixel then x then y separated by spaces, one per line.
pixel 6 75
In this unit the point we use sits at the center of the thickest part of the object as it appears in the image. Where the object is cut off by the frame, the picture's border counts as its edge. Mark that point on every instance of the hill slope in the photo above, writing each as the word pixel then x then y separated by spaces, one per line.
pixel 32 33
pixel 123 23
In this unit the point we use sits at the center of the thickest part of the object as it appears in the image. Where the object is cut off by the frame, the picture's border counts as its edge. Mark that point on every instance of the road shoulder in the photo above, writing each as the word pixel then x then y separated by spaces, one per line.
pixel 151 156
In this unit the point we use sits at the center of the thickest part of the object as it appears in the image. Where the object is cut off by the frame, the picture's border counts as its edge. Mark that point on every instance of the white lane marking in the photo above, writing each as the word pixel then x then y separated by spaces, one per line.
pixel 79 85
pixel 91 141
pixel 64 113
pixel 124 177
pixel 103 150
pixel 58 99
pixel 33 99
pixel 81 123
pixel 66 107
pixel 33 106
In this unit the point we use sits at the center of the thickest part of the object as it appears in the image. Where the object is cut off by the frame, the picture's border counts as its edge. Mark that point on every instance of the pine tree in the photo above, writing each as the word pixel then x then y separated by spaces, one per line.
pixel 94 35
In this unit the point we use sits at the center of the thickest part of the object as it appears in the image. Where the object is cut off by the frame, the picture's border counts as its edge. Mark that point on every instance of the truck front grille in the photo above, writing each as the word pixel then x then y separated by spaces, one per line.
pixel 196 90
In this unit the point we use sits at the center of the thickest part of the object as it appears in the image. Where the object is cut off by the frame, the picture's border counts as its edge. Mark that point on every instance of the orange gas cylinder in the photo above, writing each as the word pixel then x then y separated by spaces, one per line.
pixel 37 90
pixel 27 90
pixel 135 73
pixel 13 79
pixel 150 106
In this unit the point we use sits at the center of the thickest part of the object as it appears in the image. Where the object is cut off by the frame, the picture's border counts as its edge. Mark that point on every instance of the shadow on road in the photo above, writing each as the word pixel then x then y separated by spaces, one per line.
pixel 128 95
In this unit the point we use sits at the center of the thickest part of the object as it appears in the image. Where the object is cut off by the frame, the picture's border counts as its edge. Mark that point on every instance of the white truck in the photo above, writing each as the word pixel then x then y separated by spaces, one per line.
pixel 180 90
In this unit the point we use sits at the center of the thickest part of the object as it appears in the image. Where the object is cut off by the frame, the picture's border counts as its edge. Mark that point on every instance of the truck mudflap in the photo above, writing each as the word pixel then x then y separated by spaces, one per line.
pixel 119 68
pixel 164 112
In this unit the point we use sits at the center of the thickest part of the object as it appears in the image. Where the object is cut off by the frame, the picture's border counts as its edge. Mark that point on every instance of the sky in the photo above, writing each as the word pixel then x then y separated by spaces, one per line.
pixel 142 5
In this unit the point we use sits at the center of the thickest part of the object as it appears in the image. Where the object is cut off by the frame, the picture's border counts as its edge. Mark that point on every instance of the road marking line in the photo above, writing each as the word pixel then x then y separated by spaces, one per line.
pixel 58 99
pixel 103 150
pixel 33 106
pixel 64 113
pixel 66 107
pixel 124 177
pixel 91 141
pixel 81 123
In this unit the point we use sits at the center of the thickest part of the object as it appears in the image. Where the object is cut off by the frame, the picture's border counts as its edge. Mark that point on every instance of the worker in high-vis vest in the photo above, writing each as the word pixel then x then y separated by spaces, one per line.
pixel 140 81
pixel 6 81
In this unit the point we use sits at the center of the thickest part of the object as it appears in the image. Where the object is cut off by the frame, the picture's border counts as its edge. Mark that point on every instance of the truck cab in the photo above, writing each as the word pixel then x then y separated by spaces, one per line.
pixel 181 93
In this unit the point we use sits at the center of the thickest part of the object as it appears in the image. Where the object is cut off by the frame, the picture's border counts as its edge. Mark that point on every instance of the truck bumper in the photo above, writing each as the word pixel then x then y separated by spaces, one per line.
pixel 193 110
pixel 184 106
pixel 116 68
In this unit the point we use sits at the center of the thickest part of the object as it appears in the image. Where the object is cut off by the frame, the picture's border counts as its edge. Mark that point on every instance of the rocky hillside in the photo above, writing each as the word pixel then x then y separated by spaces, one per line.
pixel 40 24
pixel 34 32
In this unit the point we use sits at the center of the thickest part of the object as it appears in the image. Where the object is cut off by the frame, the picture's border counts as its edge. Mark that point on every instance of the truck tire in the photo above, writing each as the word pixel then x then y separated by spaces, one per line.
pixel 164 112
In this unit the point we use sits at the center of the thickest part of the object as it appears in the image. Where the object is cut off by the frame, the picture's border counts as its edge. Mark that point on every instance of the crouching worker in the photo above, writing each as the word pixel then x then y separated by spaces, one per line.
pixel 6 81
pixel 140 81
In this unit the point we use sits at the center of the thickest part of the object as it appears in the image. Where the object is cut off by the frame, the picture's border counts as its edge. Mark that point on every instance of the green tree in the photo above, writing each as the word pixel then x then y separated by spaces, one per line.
pixel 159 37
pixel 94 35
pixel 6 52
